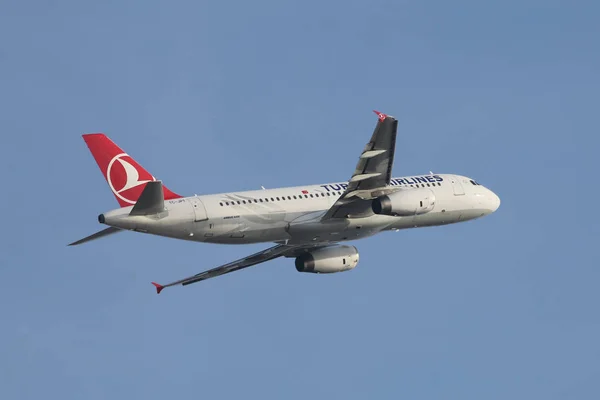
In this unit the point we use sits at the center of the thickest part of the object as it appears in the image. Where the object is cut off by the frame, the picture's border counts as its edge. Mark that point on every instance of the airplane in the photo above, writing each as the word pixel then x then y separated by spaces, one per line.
pixel 308 223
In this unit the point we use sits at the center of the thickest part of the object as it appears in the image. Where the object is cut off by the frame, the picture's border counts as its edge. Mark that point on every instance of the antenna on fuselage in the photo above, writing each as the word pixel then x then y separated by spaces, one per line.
pixel 263 188
pixel 430 173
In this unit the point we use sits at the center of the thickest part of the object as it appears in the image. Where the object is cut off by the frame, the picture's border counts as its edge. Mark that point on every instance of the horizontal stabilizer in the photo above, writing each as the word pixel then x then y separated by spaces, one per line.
pixel 151 200
pixel 97 235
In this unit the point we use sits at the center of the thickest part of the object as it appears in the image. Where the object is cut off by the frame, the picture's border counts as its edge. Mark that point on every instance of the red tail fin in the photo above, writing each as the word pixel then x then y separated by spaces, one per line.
pixel 126 178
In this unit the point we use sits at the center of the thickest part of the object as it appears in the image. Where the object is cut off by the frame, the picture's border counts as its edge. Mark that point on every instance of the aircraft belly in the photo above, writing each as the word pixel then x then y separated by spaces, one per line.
pixel 429 219
pixel 337 229
pixel 244 230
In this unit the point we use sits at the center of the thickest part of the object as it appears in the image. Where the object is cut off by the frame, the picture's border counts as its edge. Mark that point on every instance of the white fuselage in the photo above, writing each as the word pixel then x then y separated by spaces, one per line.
pixel 293 214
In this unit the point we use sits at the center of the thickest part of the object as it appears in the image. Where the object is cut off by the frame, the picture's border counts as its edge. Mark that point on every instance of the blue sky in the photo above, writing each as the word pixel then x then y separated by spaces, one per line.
pixel 223 96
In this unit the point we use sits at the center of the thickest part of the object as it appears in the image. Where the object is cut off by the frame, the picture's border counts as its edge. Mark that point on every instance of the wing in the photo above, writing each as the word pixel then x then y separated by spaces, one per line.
pixel 373 171
pixel 257 258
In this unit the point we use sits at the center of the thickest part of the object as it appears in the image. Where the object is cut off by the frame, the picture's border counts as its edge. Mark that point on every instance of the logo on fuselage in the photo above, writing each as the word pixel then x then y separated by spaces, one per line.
pixel 416 180
pixel 126 178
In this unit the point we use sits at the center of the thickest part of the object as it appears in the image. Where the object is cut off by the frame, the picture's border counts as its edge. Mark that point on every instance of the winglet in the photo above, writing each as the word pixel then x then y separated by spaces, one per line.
pixel 159 287
pixel 380 115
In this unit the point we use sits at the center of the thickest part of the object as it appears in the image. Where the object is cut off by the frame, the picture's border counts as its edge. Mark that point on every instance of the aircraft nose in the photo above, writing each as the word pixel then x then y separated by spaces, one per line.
pixel 494 201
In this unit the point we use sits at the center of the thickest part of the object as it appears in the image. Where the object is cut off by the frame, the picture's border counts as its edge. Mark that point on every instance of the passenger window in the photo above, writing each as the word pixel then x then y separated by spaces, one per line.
pixel 311 195
pixel 428 185
pixel 289 198
pixel 306 196
pixel 266 200
pixel 221 204
pixel 272 199
pixel 294 197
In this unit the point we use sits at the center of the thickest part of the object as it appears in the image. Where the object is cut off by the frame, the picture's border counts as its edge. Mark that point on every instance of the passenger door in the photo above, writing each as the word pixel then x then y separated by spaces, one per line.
pixel 458 188
pixel 199 210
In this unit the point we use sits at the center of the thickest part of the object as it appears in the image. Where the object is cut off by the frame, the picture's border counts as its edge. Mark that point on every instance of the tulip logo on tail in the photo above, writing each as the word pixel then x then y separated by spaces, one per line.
pixel 126 178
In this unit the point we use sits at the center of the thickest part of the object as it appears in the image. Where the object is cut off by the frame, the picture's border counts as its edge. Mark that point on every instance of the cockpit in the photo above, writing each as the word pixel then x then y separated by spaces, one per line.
pixel 485 197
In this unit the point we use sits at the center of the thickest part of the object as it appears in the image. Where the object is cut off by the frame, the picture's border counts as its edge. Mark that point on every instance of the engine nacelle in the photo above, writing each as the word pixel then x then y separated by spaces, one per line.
pixel 404 203
pixel 328 260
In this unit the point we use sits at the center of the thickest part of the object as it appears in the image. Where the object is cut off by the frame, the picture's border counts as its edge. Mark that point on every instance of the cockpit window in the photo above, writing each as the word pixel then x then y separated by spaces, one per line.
pixel 475 183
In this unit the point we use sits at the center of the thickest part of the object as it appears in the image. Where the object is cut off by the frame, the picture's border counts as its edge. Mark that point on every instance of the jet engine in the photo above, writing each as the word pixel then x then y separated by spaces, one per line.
pixel 404 203
pixel 328 260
